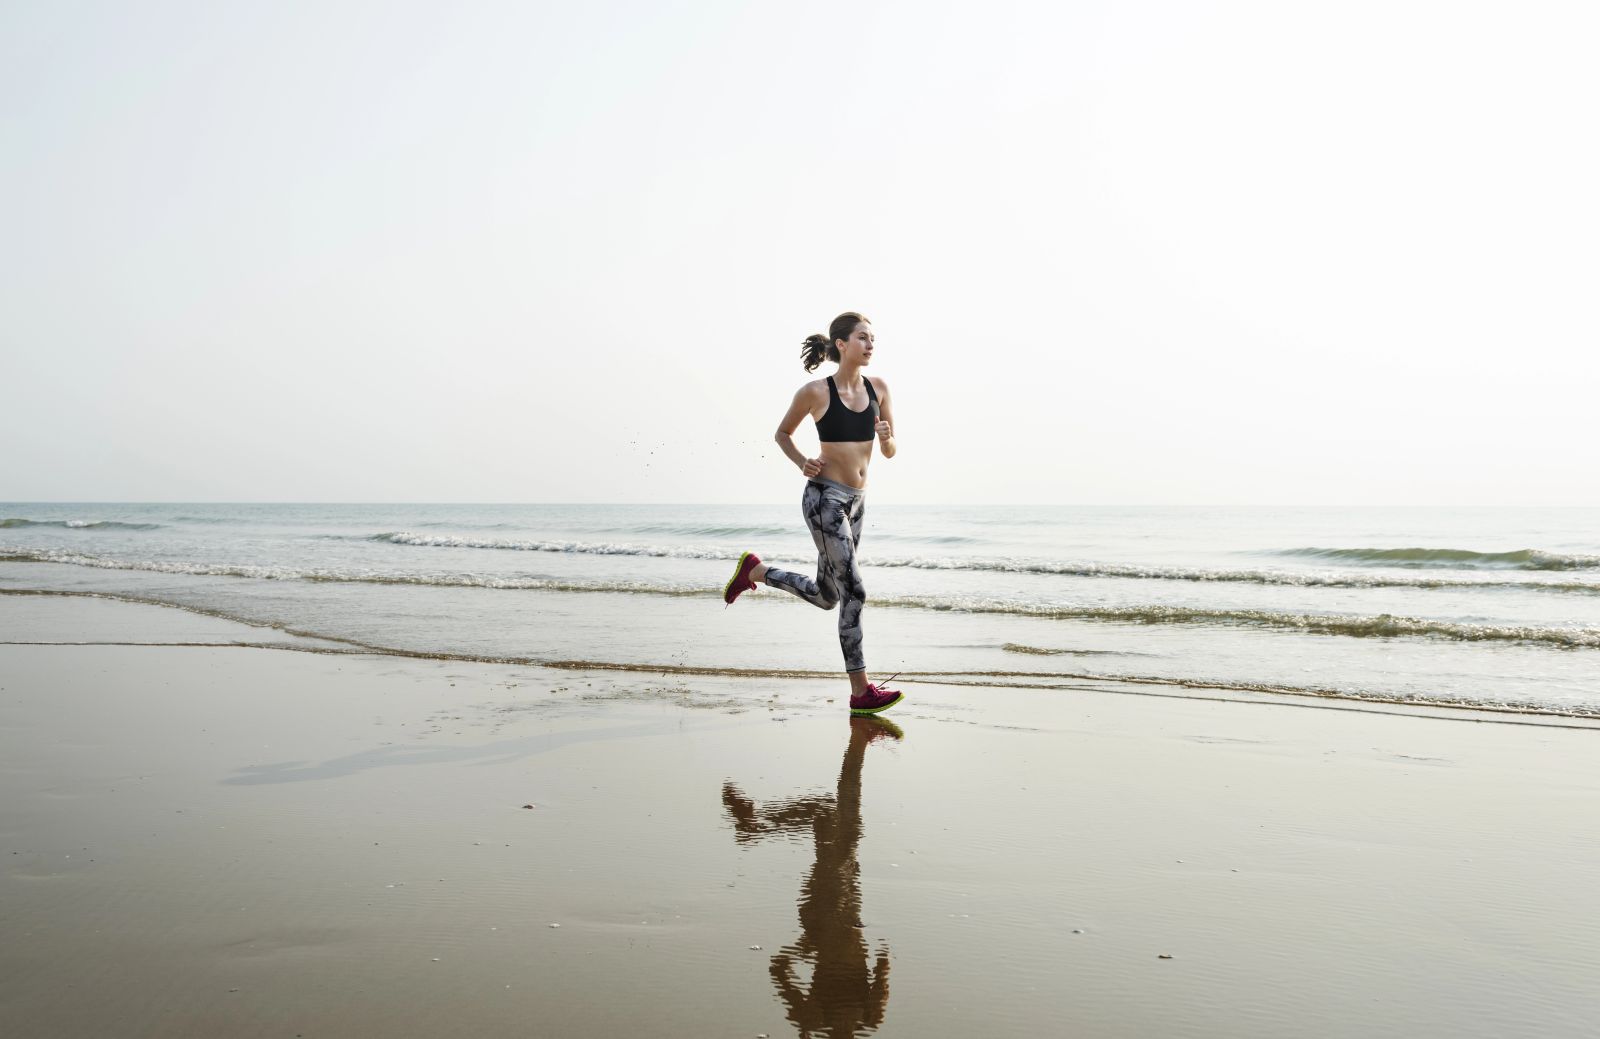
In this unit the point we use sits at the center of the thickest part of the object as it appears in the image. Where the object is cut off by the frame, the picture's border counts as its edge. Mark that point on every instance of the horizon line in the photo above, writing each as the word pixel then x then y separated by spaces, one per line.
pixel 917 504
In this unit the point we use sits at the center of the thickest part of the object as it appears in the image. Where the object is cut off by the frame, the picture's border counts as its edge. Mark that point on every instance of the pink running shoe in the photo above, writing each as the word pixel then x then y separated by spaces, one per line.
pixel 740 581
pixel 876 699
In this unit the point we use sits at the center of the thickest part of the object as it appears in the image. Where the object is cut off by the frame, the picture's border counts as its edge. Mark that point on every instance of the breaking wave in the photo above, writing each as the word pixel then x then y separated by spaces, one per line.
pixel 406 537
pixel 703 530
pixel 333 575
pixel 16 522
pixel 1205 576
pixel 1048 568
pixel 1451 558
pixel 992 565
pixel 1352 625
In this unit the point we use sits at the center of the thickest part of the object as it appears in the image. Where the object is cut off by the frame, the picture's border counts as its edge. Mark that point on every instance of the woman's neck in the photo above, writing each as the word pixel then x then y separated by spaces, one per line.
pixel 848 374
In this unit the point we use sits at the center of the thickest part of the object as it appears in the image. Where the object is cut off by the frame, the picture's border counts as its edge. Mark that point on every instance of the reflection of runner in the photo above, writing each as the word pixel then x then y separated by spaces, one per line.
pixel 847 996
pixel 850 409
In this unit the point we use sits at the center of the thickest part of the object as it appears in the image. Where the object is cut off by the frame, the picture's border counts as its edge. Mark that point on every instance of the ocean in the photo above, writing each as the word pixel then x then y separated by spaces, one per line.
pixel 1493 608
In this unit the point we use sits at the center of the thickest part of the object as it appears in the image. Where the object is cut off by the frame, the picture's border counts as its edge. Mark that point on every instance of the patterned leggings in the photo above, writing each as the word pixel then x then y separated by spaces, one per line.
pixel 835 513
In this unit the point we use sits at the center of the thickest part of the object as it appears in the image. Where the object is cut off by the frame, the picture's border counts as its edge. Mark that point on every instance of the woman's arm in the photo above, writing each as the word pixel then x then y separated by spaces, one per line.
pixel 805 402
pixel 885 425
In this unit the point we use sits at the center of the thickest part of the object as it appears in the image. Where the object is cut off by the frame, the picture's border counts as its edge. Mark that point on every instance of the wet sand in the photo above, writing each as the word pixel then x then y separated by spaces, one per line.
pixel 205 840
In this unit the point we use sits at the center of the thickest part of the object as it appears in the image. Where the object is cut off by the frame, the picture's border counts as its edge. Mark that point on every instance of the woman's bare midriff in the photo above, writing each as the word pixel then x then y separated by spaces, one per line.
pixel 846 461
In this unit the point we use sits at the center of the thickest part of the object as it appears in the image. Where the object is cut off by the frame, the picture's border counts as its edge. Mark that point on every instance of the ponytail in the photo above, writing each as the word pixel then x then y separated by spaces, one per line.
pixel 815 350
pixel 819 348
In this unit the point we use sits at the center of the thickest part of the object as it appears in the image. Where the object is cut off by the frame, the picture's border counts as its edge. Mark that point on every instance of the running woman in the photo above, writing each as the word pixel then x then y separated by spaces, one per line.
pixel 851 410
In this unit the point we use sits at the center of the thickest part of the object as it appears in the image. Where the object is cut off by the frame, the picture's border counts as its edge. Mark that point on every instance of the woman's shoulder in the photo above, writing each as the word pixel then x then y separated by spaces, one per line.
pixel 879 383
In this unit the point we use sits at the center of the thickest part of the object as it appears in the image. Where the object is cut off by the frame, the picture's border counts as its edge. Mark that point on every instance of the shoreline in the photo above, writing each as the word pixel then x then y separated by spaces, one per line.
pixel 297 639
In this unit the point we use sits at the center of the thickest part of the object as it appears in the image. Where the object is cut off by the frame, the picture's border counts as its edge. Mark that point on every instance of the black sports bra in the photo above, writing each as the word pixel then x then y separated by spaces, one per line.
pixel 840 423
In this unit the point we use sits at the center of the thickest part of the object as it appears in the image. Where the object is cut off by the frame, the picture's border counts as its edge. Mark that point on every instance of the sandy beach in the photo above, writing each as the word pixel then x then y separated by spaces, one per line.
pixel 215 839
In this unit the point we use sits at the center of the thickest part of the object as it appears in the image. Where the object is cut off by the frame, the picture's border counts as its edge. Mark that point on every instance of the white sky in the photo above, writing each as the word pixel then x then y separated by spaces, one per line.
pixel 1120 252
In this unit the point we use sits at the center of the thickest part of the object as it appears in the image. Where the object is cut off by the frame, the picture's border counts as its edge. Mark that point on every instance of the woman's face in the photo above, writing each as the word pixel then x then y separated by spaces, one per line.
pixel 858 348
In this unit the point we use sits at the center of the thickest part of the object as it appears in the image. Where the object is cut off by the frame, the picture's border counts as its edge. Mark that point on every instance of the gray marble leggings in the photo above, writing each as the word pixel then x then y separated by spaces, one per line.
pixel 835 514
